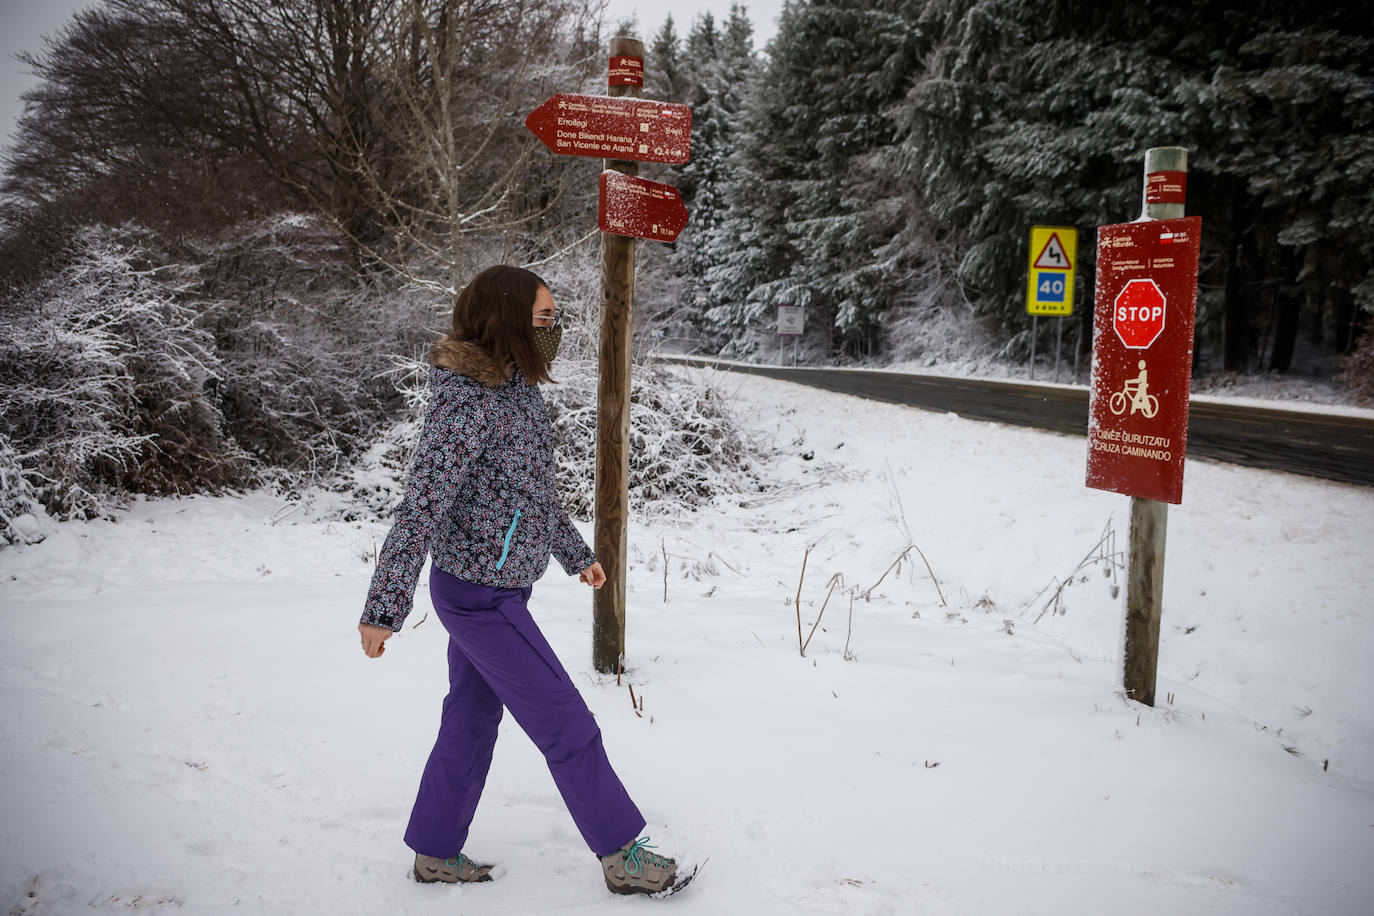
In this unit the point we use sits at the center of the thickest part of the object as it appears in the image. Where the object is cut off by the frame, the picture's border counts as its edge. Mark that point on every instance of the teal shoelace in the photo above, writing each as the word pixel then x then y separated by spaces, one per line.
pixel 633 864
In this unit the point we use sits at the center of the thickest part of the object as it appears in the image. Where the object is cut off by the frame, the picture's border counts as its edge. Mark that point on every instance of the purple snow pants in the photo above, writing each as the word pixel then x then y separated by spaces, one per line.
pixel 497 657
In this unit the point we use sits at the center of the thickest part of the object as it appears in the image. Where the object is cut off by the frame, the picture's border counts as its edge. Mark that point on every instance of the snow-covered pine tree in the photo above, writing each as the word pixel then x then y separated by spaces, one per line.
pixel 803 228
pixel 716 70
pixel 664 76
pixel 1292 125
pixel 717 109
pixel 1040 113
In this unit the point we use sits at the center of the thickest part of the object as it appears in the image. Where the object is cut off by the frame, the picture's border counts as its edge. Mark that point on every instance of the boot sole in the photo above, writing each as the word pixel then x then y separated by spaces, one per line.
pixel 680 881
pixel 438 879
pixel 629 889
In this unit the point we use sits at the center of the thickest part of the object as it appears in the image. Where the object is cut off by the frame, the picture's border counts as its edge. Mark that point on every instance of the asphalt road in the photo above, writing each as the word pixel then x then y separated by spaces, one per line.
pixel 1300 442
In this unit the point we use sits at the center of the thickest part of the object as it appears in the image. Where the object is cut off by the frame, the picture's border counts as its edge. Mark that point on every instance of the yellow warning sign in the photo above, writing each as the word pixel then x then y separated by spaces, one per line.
pixel 1049 285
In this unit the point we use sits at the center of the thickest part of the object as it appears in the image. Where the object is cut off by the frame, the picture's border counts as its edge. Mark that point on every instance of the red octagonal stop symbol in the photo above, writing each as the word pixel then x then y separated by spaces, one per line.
pixel 1138 314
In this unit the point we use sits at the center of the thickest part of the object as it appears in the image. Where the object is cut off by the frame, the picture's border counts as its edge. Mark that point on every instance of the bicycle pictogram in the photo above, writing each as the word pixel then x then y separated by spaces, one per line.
pixel 1135 394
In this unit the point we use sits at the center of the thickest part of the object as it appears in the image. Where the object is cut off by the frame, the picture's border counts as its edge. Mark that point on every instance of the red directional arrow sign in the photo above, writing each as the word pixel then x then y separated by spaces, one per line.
pixel 640 208
pixel 613 128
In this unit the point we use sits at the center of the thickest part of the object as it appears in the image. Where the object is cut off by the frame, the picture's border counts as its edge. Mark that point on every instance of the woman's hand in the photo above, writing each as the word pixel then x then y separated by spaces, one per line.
pixel 374 639
pixel 593 575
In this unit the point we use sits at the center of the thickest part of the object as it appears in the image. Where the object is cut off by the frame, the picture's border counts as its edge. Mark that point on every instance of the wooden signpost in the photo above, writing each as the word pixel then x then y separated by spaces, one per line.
pixel 624 130
pixel 1144 305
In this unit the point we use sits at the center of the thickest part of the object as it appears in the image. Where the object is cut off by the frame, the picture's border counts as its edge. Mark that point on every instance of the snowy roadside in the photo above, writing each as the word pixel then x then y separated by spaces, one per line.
pixel 1274 392
pixel 1291 389
pixel 189 726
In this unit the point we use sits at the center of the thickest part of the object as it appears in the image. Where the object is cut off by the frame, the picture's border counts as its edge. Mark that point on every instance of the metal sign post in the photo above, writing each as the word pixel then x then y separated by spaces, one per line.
pixel 791 323
pixel 1144 308
pixel 1049 282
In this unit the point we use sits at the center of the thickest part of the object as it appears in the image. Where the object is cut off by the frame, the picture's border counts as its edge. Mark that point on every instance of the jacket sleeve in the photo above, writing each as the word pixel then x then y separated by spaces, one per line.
pixel 453 436
pixel 568 548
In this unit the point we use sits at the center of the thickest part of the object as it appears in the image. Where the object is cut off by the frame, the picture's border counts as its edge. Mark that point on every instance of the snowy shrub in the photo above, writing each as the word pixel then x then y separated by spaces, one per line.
pixel 1357 371
pixel 252 355
pixel 307 347
pixel 258 355
pixel 106 381
pixel 375 480
pixel 939 330
pixel 687 447
pixel 20 508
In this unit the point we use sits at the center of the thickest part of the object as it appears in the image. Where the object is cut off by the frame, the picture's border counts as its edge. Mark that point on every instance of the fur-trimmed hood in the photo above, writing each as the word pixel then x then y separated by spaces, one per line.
pixel 466 358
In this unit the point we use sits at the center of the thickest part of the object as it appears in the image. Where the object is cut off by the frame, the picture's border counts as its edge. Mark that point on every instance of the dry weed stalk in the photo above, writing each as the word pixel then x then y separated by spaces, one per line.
pixel 1104 551
pixel 837 581
pixel 898 562
pixel 800 579
pixel 848 656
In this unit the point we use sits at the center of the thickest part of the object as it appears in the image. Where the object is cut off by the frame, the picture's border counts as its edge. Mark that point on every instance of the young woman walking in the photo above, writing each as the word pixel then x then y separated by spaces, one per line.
pixel 481 500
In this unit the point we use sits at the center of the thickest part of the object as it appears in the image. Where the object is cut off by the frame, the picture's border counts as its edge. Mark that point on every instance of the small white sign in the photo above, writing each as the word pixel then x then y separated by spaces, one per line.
pixel 791 319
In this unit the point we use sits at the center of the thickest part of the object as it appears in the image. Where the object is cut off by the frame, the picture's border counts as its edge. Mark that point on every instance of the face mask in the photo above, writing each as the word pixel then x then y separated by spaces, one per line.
pixel 546 340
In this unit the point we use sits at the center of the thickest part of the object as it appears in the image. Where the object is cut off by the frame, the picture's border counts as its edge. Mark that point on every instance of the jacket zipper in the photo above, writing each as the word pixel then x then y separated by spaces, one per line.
pixel 510 532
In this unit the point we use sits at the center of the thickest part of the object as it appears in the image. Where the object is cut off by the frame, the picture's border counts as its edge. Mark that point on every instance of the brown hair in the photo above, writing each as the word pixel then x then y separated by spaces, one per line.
pixel 494 311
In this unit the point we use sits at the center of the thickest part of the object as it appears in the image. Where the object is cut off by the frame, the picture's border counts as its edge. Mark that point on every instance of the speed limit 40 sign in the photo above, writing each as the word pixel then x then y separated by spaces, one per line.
pixel 1053 254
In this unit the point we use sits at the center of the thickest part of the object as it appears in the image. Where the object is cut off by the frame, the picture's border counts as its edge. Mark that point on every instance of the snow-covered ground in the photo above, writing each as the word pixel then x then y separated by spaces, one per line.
pixel 190 727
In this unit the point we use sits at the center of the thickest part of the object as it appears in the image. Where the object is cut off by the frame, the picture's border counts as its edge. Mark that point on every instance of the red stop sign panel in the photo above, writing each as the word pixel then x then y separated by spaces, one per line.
pixel 1138 314
pixel 1144 305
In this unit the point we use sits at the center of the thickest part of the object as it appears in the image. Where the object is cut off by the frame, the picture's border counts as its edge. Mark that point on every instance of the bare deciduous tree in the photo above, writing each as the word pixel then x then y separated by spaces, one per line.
pixel 459 79
pixel 400 119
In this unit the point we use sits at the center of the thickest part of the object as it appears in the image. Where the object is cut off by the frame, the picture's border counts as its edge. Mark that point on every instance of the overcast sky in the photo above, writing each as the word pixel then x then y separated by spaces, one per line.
pixel 23 23
pixel 651 13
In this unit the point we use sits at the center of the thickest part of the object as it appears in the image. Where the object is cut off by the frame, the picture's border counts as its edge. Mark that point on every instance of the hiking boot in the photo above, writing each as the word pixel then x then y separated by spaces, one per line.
pixel 459 868
pixel 632 869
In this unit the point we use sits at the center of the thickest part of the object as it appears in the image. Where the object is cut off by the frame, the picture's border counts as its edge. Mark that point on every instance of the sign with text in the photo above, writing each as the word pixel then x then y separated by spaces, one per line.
pixel 1167 187
pixel 625 71
pixel 640 208
pixel 1049 285
pixel 1143 310
pixel 609 127
pixel 791 320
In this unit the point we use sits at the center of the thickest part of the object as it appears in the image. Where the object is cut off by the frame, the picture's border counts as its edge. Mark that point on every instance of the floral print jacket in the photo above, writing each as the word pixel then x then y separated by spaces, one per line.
pixel 481 497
